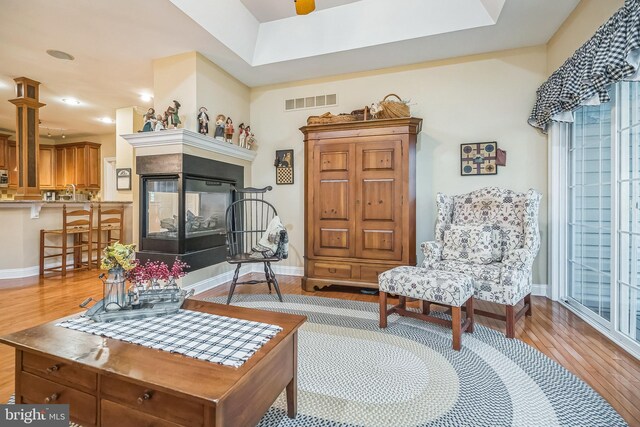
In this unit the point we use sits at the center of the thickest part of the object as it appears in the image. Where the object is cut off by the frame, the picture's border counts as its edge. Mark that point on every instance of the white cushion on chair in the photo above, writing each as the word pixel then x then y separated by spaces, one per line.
pixel 469 243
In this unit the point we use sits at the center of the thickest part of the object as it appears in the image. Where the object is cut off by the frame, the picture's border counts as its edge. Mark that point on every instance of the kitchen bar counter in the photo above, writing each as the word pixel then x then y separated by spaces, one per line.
pixel 60 202
pixel 20 225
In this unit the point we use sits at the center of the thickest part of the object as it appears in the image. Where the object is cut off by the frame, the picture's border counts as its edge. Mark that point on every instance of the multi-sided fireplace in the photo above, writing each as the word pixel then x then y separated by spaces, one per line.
pixel 183 200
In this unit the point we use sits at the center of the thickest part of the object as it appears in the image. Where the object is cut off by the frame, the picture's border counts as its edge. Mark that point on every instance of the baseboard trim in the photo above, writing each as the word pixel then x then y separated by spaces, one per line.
pixel 540 290
pixel 215 281
pixel 19 273
pixel 287 270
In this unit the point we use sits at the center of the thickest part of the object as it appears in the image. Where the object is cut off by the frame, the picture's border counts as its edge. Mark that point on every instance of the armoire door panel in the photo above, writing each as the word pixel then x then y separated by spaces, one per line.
pixel 380 244
pixel 378 199
pixel 334 238
pixel 334 161
pixel 333 200
pixel 377 159
pixel 377 240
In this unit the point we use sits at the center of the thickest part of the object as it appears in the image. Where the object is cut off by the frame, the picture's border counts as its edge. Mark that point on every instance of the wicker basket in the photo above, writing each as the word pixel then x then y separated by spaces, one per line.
pixel 328 118
pixel 393 109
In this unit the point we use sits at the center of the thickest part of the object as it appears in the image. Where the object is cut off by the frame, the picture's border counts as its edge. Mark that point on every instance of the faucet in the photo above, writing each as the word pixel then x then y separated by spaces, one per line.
pixel 73 188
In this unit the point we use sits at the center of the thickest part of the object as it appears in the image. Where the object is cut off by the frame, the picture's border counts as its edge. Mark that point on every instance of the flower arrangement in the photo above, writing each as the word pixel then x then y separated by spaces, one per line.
pixel 118 255
pixel 155 271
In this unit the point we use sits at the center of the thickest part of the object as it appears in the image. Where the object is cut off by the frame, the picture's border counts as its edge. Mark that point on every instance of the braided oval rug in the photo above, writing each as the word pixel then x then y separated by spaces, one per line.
pixel 351 373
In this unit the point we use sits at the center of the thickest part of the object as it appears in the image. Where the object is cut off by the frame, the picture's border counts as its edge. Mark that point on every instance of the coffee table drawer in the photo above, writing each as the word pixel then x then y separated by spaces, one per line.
pixel 114 415
pixel 158 403
pixel 58 371
pixel 82 406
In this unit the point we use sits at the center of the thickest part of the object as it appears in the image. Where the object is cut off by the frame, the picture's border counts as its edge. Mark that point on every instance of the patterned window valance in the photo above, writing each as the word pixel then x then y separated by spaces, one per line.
pixel 611 55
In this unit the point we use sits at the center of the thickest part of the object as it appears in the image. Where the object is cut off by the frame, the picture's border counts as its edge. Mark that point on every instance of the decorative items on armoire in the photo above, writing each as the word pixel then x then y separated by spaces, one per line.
pixel 284 167
pixel 360 200
pixel 386 109
pixel 479 158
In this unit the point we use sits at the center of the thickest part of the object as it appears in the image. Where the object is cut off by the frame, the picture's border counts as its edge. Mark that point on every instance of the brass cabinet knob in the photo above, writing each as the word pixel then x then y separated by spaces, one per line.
pixel 53 368
pixel 51 398
pixel 145 396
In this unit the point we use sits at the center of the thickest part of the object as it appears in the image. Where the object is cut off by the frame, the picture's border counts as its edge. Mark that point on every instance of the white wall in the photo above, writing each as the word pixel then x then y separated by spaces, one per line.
pixel 471 99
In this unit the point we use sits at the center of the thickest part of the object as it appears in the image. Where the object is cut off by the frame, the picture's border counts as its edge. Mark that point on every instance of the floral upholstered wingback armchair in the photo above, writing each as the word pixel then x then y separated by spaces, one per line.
pixel 504 273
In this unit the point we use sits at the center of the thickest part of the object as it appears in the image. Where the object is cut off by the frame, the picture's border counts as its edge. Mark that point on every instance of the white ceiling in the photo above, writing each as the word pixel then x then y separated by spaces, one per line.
pixel 272 10
pixel 115 41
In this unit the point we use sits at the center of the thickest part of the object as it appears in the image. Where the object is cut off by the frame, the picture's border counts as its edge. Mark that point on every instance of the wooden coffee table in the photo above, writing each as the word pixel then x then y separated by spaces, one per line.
pixel 112 383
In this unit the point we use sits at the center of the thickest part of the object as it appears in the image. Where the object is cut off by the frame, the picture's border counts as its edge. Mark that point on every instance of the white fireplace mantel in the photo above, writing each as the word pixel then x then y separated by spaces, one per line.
pixel 185 137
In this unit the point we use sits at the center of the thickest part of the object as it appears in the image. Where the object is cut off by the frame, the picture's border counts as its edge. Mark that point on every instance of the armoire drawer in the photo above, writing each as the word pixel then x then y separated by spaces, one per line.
pixel 331 270
pixel 369 273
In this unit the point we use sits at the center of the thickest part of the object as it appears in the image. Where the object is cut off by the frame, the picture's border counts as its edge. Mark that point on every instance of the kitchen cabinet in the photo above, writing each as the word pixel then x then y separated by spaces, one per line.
pixel 4 142
pixel 12 164
pixel 47 167
pixel 79 164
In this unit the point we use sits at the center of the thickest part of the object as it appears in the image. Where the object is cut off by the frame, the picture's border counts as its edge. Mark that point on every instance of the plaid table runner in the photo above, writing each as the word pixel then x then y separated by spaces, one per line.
pixel 204 336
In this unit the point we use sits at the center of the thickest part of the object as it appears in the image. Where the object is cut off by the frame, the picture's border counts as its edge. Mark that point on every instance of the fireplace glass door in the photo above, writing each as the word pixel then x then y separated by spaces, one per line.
pixel 162 208
pixel 205 205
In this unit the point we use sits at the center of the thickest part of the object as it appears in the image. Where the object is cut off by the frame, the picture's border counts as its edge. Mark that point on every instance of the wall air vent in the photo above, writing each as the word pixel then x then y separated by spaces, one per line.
pixel 311 102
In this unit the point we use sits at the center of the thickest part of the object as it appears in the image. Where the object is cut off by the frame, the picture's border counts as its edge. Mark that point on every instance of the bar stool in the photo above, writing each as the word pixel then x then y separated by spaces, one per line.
pixel 110 220
pixel 75 224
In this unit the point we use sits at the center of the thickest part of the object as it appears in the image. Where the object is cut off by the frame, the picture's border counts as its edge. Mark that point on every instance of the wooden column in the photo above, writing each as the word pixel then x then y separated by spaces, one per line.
pixel 27 138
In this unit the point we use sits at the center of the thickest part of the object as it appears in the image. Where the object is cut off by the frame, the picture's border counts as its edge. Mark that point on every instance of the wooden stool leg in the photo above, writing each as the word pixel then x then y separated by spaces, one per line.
pixel 383 309
pixel 469 310
pixel 41 253
pixel 90 250
pixel 511 322
pixel 527 300
pixel 426 307
pixel 64 254
pixel 456 327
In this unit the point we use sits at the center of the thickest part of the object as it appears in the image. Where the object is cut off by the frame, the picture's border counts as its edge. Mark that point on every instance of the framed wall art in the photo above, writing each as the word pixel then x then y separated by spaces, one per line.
pixel 123 179
pixel 478 158
pixel 284 167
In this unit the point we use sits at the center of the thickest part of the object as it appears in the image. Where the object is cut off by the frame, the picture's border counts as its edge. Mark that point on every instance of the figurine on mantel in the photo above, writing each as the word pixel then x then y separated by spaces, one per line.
pixel 251 142
pixel 171 116
pixel 228 130
pixel 242 137
pixel 219 133
pixel 149 120
pixel 203 121
pixel 159 123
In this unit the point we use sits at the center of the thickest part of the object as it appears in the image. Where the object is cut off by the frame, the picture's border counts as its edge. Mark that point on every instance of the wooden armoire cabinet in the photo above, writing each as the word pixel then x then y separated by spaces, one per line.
pixel 360 202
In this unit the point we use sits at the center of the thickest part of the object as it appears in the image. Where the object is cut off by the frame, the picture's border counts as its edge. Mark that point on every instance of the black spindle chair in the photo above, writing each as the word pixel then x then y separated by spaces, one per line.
pixel 247 220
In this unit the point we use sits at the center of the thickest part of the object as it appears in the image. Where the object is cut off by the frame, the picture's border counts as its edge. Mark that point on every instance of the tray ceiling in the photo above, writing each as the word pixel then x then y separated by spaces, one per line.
pixel 115 42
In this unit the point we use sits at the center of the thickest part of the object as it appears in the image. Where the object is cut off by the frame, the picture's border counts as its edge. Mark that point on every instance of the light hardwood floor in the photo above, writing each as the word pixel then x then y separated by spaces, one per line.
pixel 553 330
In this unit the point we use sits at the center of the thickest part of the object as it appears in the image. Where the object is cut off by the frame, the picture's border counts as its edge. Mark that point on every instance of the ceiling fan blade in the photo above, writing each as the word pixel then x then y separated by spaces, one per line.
pixel 304 7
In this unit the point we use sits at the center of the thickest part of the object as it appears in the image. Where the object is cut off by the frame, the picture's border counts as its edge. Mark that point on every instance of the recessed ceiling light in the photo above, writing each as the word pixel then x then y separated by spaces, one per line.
pixel 107 120
pixel 145 97
pixel 58 54
pixel 71 101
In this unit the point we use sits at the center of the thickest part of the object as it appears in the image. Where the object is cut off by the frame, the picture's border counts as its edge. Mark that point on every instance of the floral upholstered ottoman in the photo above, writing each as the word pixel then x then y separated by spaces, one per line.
pixel 444 288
